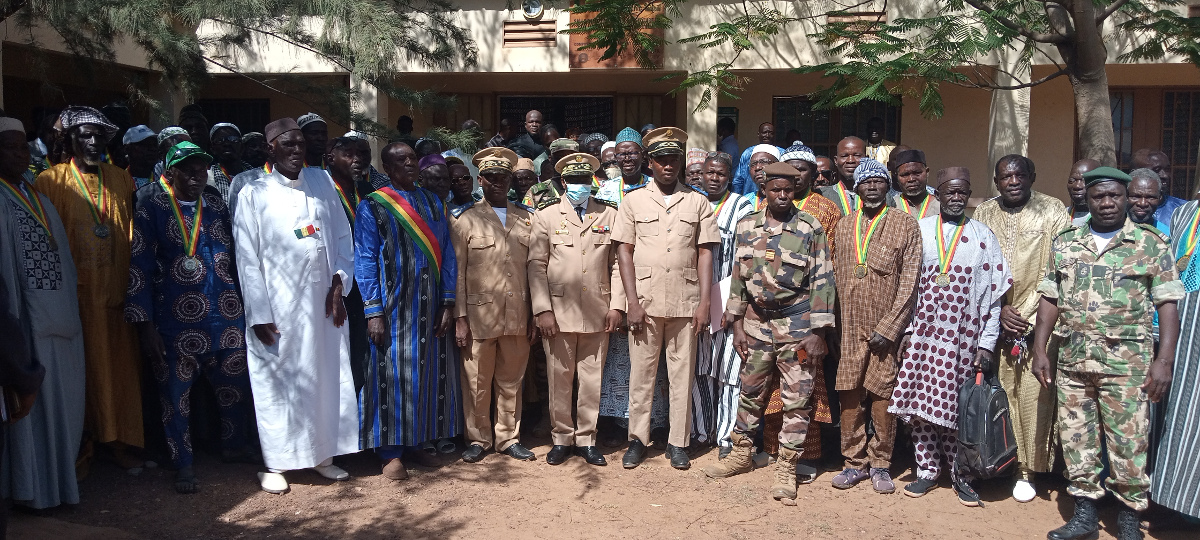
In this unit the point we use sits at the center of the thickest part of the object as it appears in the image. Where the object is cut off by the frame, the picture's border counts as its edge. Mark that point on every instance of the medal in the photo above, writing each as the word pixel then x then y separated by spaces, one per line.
pixel 190 240
pixel 862 244
pixel 97 204
pixel 191 264
pixel 1182 263
pixel 945 256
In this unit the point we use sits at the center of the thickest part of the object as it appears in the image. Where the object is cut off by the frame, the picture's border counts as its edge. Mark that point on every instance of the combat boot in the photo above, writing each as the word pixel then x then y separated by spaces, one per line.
pixel 785 475
pixel 740 459
pixel 1129 526
pixel 1084 524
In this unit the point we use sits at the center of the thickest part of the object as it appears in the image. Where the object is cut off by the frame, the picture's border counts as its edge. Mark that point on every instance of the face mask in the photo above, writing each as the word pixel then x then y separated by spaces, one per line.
pixel 578 193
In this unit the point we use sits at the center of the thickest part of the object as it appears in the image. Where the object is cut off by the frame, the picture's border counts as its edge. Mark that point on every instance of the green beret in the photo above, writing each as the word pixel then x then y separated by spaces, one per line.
pixel 1105 174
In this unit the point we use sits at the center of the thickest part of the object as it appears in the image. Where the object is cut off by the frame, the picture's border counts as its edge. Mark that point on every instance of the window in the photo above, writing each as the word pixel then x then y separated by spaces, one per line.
pixel 822 129
pixel 592 114
pixel 1181 130
pixel 530 34
pixel 247 114
pixel 1121 104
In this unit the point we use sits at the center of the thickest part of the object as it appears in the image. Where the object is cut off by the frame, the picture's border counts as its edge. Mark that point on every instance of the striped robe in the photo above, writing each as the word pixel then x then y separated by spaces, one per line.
pixel 411 393
pixel 1176 470
pixel 717 384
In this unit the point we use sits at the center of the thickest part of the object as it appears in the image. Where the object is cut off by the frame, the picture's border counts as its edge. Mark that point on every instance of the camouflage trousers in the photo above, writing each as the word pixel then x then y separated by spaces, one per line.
pixel 768 364
pixel 1092 403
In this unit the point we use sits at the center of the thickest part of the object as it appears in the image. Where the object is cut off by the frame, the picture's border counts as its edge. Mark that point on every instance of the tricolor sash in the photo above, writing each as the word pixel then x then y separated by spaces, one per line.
pixel 412 223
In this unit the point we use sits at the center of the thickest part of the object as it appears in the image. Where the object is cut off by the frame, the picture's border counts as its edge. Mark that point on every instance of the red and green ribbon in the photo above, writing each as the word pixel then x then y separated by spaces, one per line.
pixel 720 204
pixel 346 202
pixel 33 205
pixel 924 206
pixel 98 203
pixel 412 223
pixel 843 198
pixel 862 244
pixel 945 256
pixel 1189 238
pixel 190 240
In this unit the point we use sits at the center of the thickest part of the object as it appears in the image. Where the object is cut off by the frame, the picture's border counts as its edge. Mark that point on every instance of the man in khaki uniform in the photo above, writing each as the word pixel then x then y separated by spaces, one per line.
pixel 666 232
pixel 491 241
pixel 572 267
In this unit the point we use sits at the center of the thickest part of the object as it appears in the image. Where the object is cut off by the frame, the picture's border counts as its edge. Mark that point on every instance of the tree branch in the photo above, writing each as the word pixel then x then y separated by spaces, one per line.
pixel 1112 8
pixel 1039 37
pixel 993 86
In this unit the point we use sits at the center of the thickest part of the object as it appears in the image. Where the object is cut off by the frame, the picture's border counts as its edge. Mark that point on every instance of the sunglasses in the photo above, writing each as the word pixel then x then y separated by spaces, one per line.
pixel 827 173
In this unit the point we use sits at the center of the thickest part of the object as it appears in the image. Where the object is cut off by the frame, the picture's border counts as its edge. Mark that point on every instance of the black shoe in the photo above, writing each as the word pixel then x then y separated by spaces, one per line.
pixel 589 454
pixel 967 496
pixel 558 454
pixel 1129 524
pixel 920 487
pixel 474 453
pixel 635 454
pixel 806 471
pixel 518 452
pixel 1083 524
pixel 679 458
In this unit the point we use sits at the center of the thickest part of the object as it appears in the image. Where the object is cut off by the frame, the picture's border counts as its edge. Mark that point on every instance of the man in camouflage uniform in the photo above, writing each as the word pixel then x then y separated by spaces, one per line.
pixel 549 191
pixel 784 275
pixel 1103 283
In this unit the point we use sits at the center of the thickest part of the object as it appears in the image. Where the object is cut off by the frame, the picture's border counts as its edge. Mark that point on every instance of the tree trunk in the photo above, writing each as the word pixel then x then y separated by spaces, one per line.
pixel 1085 56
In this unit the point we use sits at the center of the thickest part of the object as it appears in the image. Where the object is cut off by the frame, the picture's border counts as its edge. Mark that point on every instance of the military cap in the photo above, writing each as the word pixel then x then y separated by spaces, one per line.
pixel 577 164
pixel 524 164
pixel 1105 174
pixel 780 169
pixel 495 159
pixel 665 140
pixel 183 150
pixel 561 145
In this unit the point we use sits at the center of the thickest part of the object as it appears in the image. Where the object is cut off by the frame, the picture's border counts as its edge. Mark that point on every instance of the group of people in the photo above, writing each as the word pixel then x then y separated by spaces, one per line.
pixel 334 308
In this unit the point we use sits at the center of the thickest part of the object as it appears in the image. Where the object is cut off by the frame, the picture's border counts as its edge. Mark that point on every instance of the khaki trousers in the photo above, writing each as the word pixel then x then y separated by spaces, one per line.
pixel 676 334
pixel 566 354
pixel 498 365
pixel 860 454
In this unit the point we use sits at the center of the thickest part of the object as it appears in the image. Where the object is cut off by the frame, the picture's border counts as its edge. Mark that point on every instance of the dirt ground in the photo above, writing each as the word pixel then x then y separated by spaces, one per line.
pixel 533 500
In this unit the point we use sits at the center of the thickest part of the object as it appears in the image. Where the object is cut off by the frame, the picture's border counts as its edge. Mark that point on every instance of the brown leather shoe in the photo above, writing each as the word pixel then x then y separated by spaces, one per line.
pixel 394 470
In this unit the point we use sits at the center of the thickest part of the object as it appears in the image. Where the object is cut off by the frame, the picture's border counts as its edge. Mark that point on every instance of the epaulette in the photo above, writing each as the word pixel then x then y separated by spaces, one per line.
pixel 525 208
pixel 544 202
pixel 639 186
pixel 606 202
pixel 458 210
pixel 1154 230
pixel 1068 229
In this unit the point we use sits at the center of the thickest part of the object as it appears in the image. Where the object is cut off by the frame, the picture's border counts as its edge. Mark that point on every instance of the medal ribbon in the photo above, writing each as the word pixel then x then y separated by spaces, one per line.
pixel 945 256
pixel 33 205
pixel 843 198
pixel 721 204
pixel 924 206
pixel 190 241
pixel 1189 238
pixel 345 201
pixel 861 245
pixel 267 167
pixel 98 203
pixel 803 203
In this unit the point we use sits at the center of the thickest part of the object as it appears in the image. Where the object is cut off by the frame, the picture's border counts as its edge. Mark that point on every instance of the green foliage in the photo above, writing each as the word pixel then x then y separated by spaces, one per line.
pixel 369 39
pixel 620 26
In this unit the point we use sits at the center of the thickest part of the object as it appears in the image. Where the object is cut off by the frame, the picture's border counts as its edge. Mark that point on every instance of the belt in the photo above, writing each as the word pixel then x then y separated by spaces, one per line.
pixel 767 314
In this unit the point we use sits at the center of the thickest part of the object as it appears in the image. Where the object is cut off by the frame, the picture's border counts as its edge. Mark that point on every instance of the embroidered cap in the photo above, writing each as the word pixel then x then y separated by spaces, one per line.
pixel 495 159
pixel 170 131
pixel 577 164
pixel 665 140
pixel 185 150
pixel 212 132
pixel 800 151
pixel 629 135
pixel 309 118
pixel 766 149
pixel 869 168
pixel 584 140
pixel 1105 174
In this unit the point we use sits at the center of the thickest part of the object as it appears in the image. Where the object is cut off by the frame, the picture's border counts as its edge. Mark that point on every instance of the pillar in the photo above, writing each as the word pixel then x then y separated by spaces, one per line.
pixel 1008 125
pixel 701 125
pixel 372 104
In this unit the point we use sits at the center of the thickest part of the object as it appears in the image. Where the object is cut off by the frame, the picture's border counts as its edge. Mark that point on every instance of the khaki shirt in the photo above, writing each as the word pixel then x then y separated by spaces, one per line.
pixel 492 288
pixel 666 237
pixel 573 265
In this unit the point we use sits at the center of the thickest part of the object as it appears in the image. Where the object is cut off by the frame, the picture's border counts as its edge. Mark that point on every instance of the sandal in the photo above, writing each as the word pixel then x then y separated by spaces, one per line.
pixel 185 482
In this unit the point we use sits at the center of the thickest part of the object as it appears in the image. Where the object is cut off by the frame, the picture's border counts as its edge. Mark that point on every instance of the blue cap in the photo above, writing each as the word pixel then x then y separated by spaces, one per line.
pixel 629 135
pixel 869 168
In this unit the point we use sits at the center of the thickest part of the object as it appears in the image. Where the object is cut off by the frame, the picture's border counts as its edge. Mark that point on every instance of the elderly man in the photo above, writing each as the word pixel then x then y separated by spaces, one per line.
pixel 744 181
pixel 1157 161
pixel 717 364
pixel 953 333
pixel 629 156
pixel 1103 283
pixel 188 324
pixel 667 278
pixel 1025 222
pixel 1145 197
pixel 759 157
pixel 781 302
pixel 295 260
pixel 914 197
pixel 95 201
pixel 491 243
pixel 1175 477
pixel 876 267
pixel 316 135
pixel 878 148
pixel 225 143
pixel 407 272
pixel 46 424
pixel 1075 189
pixel 572 267
pixel 254 149
pixel 850 152
pixel 140 145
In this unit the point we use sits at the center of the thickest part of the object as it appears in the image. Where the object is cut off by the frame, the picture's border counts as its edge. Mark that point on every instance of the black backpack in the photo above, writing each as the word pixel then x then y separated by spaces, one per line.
pixel 986 445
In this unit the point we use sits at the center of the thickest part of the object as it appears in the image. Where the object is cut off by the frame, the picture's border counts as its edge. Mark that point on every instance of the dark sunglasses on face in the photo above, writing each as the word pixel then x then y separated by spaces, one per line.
pixel 827 173
pixel 230 139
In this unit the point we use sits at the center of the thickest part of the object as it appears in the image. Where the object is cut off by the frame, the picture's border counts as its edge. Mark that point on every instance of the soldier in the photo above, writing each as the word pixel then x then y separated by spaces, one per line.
pixel 546 193
pixel 491 243
pixel 783 274
pixel 1102 287
pixel 572 266
pixel 667 232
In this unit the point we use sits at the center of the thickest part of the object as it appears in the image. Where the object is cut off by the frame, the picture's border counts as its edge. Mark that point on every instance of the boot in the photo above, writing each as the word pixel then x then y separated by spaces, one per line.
pixel 1129 525
pixel 1084 524
pixel 740 459
pixel 785 475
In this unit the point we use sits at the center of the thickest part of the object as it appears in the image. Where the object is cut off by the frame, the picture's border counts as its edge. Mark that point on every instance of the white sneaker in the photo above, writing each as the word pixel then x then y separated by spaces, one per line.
pixel 332 472
pixel 1023 491
pixel 272 482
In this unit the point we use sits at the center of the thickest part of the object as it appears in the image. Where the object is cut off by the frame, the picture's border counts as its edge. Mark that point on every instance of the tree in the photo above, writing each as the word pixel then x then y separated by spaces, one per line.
pixel 369 39
pixel 953 42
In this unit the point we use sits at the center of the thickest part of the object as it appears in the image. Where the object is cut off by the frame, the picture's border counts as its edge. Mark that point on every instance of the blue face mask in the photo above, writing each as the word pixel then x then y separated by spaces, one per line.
pixel 578 193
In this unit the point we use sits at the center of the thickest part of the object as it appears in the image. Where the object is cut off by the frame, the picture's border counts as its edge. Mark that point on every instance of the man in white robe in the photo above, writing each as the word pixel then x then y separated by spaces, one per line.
pixel 295 258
